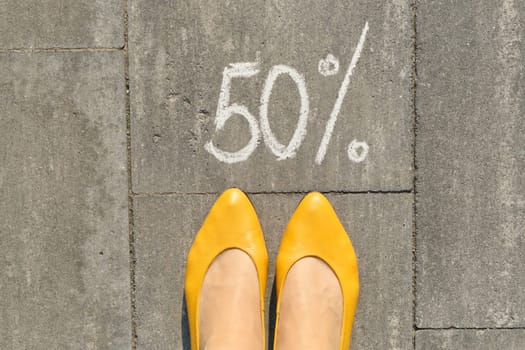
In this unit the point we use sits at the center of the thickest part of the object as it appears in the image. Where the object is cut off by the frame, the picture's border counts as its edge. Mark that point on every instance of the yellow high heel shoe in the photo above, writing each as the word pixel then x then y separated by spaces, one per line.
pixel 315 231
pixel 231 224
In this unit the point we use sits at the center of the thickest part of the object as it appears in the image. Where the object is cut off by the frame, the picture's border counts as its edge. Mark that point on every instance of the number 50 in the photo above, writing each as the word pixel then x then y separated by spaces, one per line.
pixel 225 111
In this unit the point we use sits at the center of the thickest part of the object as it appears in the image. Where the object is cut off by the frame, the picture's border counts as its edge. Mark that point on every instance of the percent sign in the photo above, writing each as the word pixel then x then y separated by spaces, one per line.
pixel 357 150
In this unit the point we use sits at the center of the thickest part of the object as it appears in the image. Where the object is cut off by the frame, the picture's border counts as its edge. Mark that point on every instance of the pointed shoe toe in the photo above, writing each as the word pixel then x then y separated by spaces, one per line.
pixel 231 223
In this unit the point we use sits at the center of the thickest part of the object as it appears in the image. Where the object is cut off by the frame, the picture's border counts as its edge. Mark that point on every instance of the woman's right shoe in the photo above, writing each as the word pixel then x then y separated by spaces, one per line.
pixel 314 230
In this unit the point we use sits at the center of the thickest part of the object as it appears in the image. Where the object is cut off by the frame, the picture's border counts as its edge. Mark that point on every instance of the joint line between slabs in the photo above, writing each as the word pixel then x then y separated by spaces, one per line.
pixel 470 328
pixel 161 194
pixel 131 232
pixel 62 49
pixel 414 170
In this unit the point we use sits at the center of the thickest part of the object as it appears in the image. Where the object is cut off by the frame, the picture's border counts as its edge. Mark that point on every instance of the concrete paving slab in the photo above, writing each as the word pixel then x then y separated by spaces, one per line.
pixel 63 24
pixel 380 227
pixel 470 339
pixel 471 157
pixel 64 262
pixel 179 52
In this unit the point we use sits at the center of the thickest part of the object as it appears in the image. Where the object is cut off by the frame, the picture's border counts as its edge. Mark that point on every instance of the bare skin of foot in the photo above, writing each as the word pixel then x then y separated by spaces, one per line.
pixel 229 305
pixel 311 308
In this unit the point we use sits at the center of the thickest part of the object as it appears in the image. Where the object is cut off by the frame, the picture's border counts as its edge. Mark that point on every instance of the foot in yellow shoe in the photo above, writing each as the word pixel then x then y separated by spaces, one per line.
pixel 226 274
pixel 311 308
pixel 317 280
pixel 229 305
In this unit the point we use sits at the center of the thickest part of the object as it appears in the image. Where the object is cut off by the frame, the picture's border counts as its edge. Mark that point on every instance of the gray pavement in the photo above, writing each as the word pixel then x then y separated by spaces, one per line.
pixel 471 163
pixel 61 24
pixel 486 339
pixel 177 57
pixel 121 121
pixel 63 183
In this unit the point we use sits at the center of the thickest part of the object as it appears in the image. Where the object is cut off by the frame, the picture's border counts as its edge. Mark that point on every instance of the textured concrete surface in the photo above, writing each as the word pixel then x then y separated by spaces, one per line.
pixel 63 24
pixel 471 339
pixel 471 159
pixel 379 225
pixel 64 260
pixel 178 52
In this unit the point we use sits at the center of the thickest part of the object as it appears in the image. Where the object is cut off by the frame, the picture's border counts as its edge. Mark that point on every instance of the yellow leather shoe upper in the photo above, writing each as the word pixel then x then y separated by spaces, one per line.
pixel 315 231
pixel 231 223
